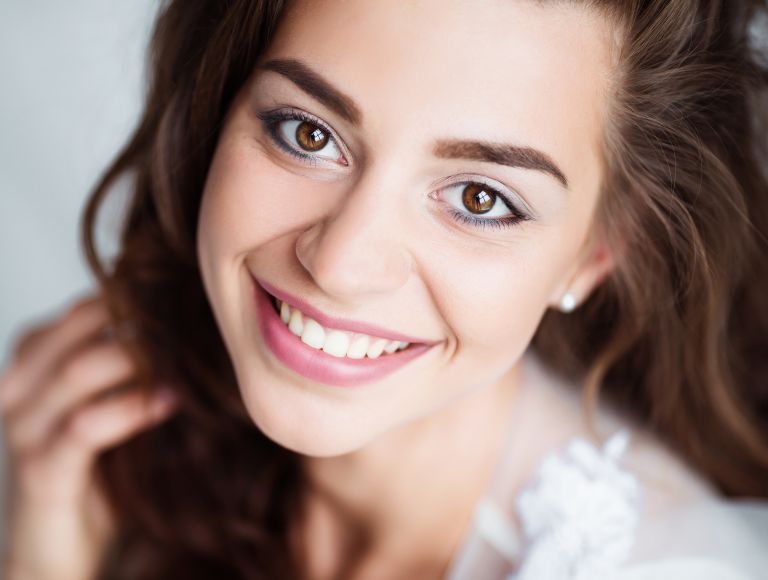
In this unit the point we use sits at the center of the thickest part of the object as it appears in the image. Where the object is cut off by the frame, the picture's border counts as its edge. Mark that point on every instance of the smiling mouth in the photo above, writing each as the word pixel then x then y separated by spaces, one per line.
pixel 338 354
pixel 335 342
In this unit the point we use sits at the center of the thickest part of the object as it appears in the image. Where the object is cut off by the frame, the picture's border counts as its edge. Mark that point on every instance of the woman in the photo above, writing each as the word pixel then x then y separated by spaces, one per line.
pixel 375 255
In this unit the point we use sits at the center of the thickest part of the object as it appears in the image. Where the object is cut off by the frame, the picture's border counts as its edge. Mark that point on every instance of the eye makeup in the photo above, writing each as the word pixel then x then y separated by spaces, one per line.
pixel 273 119
pixel 513 219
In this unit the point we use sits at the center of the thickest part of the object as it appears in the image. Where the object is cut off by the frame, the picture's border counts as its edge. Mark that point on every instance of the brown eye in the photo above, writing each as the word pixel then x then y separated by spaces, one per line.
pixel 477 198
pixel 311 137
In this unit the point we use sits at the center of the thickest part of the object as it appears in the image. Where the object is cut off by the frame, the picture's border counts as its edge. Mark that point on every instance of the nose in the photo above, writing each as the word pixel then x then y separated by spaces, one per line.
pixel 357 246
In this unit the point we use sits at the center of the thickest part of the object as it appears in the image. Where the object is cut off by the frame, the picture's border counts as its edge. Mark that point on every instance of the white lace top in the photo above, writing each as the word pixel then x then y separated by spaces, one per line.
pixel 623 508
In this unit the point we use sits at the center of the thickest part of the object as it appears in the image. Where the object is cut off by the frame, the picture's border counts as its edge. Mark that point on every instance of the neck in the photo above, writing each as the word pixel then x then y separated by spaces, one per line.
pixel 413 489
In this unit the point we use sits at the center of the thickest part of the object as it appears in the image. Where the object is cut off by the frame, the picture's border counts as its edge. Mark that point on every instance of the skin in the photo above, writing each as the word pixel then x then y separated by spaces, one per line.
pixel 68 394
pixel 396 465
pixel 370 239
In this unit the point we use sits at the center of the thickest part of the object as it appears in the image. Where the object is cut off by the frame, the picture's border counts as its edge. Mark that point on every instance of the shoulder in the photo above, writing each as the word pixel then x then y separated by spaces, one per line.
pixel 665 478
pixel 686 528
pixel 628 502
pixel 683 568
pixel 723 535
pixel 588 511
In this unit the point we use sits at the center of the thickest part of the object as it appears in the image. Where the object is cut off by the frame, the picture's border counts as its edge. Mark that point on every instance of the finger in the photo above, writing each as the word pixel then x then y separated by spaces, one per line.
pixel 28 340
pixel 24 342
pixel 61 469
pixel 93 371
pixel 42 349
pixel 31 338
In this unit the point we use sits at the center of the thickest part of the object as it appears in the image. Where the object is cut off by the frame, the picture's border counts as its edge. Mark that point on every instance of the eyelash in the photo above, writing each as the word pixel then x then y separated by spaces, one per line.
pixel 271 119
pixel 496 223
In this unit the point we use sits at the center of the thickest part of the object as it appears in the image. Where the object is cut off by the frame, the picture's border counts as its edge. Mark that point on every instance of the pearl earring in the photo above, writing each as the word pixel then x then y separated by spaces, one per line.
pixel 568 303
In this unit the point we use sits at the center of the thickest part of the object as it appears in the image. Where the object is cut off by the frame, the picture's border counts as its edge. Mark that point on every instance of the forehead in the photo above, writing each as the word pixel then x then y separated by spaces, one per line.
pixel 530 73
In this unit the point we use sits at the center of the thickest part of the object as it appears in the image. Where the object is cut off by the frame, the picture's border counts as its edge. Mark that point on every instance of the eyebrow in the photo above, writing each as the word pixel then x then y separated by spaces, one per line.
pixel 316 86
pixel 501 153
pixel 313 84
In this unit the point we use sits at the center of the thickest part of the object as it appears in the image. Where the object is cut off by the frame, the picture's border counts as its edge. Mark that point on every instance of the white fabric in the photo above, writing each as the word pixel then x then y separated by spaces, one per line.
pixel 683 569
pixel 624 508
pixel 580 514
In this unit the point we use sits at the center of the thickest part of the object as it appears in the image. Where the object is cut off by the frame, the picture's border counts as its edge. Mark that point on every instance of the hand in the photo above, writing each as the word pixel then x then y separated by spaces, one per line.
pixel 69 393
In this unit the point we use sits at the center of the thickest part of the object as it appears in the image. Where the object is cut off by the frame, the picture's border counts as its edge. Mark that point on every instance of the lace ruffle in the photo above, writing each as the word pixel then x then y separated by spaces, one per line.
pixel 580 514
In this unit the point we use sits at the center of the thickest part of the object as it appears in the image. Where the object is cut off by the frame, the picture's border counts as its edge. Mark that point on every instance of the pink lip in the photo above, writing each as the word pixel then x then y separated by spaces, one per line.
pixel 339 323
pixel 318 365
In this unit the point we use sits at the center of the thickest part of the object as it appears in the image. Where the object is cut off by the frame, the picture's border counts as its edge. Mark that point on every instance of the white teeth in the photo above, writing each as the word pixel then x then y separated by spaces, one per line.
pixel 313 334
pixel 376 348
pixel 359 346
pixel 392 346
pixel 285 312
pixel 296 324
pixel 336 343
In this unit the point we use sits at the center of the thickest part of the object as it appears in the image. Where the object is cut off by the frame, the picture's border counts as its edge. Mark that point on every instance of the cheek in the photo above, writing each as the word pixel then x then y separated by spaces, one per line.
pixel 247 200
pixel 493 298
pixel 243 205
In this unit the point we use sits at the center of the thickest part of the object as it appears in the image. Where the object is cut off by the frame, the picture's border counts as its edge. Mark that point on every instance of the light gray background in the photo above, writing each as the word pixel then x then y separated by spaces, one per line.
pixel 71 89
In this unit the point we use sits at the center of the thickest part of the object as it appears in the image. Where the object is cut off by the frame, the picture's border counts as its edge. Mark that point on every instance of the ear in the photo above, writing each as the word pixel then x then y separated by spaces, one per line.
pixel 594 262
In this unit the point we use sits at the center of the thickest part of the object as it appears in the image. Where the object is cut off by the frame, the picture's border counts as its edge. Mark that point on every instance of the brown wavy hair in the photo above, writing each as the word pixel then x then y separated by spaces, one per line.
pixel 677 334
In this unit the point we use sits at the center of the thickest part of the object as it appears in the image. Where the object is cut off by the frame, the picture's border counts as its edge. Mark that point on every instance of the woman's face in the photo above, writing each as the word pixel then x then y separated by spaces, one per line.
pixel 430 168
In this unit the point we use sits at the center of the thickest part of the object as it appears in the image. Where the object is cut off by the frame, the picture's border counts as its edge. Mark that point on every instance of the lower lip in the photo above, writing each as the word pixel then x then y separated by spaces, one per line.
pixel 320 366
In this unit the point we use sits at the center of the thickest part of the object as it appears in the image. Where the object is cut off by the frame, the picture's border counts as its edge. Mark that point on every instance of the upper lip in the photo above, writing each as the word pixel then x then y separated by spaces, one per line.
pixel 339 323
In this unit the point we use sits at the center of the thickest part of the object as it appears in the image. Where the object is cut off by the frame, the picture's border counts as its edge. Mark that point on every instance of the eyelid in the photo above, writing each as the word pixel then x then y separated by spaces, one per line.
pixel 508 195
pixel 288 113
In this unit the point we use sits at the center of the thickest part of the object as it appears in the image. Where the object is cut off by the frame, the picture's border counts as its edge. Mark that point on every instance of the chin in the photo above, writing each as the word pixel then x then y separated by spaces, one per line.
pixel 301 423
